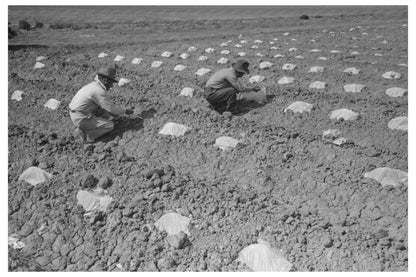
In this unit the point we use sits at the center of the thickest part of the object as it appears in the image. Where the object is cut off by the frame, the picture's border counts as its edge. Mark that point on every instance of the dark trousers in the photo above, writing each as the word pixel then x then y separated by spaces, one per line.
pixel 222 98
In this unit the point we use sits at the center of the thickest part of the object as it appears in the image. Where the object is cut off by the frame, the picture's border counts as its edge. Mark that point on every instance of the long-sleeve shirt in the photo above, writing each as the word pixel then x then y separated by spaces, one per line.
pixel 225 78
pixel 90 97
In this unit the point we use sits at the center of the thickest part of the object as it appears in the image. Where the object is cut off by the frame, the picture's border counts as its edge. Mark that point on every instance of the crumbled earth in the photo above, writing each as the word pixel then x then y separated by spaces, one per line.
pixel 283 183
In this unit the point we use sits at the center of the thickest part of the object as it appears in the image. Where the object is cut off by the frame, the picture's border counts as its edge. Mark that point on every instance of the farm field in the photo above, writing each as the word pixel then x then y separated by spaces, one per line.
pixel 285 183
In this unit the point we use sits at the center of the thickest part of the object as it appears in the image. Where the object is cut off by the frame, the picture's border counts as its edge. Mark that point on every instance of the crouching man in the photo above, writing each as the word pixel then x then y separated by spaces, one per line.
pixel 222 87
pixel 91 110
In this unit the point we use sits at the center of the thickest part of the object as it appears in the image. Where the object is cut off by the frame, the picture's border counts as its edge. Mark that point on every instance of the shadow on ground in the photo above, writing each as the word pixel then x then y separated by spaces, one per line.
pixel 121 126
pixel 244 106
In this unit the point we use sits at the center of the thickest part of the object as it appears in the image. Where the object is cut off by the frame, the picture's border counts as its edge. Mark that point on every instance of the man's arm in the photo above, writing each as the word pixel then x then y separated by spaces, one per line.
pixel 102 100
pixel 238 86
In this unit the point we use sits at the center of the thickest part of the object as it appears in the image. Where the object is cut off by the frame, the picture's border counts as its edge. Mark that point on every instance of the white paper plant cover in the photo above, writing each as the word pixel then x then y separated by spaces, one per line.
pixel 322 58
pixel 35 175
pixel 353 88
pixel 340 141
pixel 398 123
pixel 272 42
pixel 242 54
pixel 256 79
pixel 391 75
pixel 299 107
pixel 166 54
pixel 202 58
pixel 224 44
pixel 344 114
pixel 293 49
pixel 257 96
pixel 202 71
pixel 355 53
pixel 17 95
pixel 286 34
pixel 316 69
pixel 13 241
pixel 254 47
pixel 387 176
pixel 52 104
pixel 187 92
pixel 261 257
pixel 118 58
pixel 102 55
pixel 192 49
pixel 93 201
pixel 123 81
pixel 179 67
pixel 285 80
pixel 317 85
pixel 174 129
pixel 335 52
pixel 396 92
pixel 173 223
pixel 40 58
pixel 258 41
pixel 265 65
pixel 278 56
pixel 136 60
pixel 273 48
pixel 378 55
pixel 238 46
pixel 259 55
pixel 225 52
pixel 352 70
pixel 299 57
pixel 243 41
pixel 315 50
pixel 222 60
pixel 39 65
pixel 156 64
pixel 226 143
pixel 183 56
pixel 275 39
pixel 331 134
pixel 209 50
pixel 288 66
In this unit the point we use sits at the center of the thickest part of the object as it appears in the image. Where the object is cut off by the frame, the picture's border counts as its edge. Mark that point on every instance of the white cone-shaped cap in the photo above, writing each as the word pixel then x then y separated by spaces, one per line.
pixel 396 92
pixel 344 114
pixel 398 123
pixel 299 107
pixel 256 79
pixel 52 104
pixel 35 175
pixel 387 176
pixel 173 223
pixel 260 257
pixel 226 143
pixel 174 129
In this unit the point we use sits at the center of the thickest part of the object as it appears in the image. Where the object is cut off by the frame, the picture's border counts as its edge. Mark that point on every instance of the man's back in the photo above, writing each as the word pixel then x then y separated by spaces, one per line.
pixel 220 78
pixel 84 99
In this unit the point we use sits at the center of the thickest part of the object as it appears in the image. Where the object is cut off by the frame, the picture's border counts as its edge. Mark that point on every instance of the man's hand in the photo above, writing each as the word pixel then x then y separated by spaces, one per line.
pixel 256 88
pixel 129 111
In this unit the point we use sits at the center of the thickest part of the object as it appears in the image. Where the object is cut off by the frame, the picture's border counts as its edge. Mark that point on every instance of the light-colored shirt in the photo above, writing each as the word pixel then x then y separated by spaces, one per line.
pixel 90 97
pixel 225 78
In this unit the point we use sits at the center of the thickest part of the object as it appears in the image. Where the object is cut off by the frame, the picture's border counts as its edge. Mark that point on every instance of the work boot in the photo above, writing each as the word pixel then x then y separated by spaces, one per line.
pixel 80 135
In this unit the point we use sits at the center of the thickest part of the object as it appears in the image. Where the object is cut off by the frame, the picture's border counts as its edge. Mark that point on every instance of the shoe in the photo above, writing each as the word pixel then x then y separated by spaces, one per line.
pixel 80 135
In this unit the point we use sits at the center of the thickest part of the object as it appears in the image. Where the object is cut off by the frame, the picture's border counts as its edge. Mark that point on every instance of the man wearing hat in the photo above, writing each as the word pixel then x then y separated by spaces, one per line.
pixel 91 110
pixel 222 87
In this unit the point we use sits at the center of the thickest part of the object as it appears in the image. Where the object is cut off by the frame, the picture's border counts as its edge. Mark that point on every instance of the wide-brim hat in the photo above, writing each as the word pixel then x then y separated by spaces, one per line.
pixel 108 72
pixel 241 66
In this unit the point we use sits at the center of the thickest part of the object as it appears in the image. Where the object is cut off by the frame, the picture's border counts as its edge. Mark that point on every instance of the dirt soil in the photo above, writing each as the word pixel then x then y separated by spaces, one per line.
pixel 283 183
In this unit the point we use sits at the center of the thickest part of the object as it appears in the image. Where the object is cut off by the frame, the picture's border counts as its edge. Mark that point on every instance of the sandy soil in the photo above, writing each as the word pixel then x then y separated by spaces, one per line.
pixel 283 183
